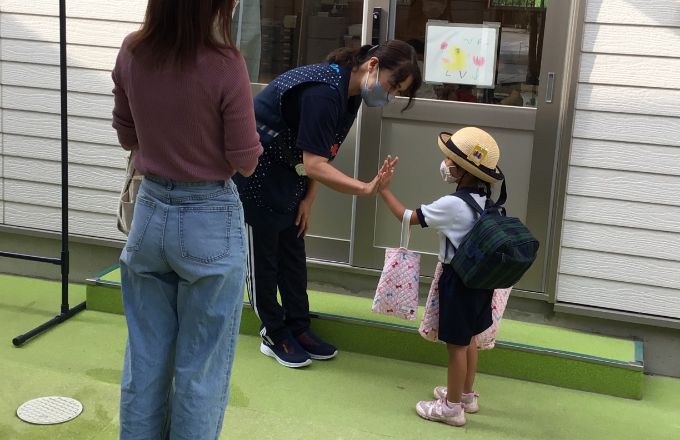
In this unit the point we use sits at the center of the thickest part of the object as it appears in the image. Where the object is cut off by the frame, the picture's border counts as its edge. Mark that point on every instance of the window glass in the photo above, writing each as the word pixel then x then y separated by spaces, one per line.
pixel 519 54
pixel 277 35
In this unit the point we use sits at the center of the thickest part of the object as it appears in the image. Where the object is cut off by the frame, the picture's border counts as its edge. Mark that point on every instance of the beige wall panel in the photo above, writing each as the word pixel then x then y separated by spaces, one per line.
pixel 624 185
pixel 38 52
pixel 621 268
pixel 635 12
pixel 83 223
pixel 645 129
pixel 620 99
pixel 619 296
pixel 46 125
pixel 109 156
pixel 47 77
pixel 625 241
pixel 2 191
pixel 43 194
pixel 2 168
pixel 641 215
pixel 78 31
pixel 118 10
pixel 82 176
pixel 621 230
pixel 632 40
pixel 624 156
pixel 49 101
pixel 628 70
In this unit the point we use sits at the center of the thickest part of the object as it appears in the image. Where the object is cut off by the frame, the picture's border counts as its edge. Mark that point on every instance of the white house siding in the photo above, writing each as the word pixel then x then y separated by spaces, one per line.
pixel 621 231
pixel 29 113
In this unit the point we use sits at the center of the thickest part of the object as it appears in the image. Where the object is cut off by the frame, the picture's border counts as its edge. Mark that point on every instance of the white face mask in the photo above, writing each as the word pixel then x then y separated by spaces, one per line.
pixel 445 171
pixel 377 96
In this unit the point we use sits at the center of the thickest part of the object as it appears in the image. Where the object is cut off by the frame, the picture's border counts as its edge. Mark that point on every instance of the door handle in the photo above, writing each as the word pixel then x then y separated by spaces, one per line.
pixel 550 89
pixel 377 26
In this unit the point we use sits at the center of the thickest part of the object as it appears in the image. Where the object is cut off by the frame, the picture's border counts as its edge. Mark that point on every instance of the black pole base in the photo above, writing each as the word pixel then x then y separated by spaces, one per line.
pixel 21 339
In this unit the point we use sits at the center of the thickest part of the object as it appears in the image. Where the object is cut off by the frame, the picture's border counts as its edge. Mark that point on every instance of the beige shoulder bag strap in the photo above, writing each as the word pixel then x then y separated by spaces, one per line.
pixel 128 195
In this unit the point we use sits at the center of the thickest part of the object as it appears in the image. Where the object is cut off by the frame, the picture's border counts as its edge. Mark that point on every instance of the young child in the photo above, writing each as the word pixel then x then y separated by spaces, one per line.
pixel 470 159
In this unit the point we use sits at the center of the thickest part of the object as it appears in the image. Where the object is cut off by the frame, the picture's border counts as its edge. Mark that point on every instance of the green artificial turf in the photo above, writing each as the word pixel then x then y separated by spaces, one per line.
pixel 353 397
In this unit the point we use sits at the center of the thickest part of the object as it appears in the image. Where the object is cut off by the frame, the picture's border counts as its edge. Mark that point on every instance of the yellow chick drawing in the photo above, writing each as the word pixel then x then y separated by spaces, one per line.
pixel 457 59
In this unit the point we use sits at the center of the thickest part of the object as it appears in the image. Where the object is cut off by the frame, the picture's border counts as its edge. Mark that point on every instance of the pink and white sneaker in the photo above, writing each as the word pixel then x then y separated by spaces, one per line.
pixel 469 400
pixel 440 392
pixel 441 411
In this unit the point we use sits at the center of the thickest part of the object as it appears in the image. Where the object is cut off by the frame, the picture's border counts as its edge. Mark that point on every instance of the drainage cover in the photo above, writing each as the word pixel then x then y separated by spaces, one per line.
pixel 49 410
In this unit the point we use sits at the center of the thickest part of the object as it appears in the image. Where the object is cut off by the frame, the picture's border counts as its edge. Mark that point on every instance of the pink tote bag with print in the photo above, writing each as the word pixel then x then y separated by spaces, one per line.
pixel 429 326
pixel 486 340
pixel 397 292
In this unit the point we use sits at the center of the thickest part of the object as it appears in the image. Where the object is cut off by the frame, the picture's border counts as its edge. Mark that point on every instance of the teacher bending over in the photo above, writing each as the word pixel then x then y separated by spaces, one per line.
pixel 302 117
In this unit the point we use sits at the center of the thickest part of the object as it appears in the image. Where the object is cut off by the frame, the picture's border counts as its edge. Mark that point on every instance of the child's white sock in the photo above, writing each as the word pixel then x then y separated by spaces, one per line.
pixel 451 404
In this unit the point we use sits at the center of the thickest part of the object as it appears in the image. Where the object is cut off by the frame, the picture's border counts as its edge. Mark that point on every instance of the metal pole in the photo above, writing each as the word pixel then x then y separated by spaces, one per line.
pixel 21 339
pixel 66 311
pixel 52 260
pixel 63 66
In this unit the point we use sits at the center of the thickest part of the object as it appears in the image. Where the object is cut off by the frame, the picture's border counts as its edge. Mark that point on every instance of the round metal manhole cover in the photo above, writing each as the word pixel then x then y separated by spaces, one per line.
pixel 49 410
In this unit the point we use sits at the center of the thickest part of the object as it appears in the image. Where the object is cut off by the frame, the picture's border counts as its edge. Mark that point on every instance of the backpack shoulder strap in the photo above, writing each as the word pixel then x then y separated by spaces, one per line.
pixel 465 196
pixel 469 200
pixel 502 197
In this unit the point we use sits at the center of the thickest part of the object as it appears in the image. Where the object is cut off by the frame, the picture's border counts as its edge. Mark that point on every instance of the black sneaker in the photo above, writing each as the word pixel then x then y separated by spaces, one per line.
pixel 315 346
pixel 287 352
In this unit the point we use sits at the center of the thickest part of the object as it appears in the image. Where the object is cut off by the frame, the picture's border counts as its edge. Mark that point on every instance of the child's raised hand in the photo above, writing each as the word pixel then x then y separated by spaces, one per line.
pixel 389 164
pixel 387 172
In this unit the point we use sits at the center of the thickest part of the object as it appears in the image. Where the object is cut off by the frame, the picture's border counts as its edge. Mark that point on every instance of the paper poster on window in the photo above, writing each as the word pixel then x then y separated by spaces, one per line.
pixel 461 53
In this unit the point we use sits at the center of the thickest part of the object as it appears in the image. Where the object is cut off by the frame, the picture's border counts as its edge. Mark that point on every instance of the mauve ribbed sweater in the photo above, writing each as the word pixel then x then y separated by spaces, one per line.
pixel 192 125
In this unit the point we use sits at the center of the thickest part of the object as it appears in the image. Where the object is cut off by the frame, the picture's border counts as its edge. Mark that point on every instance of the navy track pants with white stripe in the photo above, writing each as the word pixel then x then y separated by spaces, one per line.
pixel 277 258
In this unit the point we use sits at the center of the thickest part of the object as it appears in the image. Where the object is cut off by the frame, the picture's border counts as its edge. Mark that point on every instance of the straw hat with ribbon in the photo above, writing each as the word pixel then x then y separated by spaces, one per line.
pixel 475 151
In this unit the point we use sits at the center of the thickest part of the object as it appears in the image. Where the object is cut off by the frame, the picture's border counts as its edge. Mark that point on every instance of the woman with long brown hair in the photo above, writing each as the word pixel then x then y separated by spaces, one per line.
pixel 303 117
pixel 183 103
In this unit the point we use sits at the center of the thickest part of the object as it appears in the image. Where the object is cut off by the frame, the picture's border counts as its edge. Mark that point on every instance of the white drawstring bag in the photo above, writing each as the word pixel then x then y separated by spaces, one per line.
pixel 128 195
pixel 397 292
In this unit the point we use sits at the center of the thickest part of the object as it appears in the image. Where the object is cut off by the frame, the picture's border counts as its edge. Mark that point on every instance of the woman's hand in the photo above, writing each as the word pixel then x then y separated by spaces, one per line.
pixel 371 188
pixel 303 215
pixel 245 173
pixel 383 178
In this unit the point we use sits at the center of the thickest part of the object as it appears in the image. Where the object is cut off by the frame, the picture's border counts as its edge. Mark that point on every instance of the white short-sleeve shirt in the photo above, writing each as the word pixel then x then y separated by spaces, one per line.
pixel 452 218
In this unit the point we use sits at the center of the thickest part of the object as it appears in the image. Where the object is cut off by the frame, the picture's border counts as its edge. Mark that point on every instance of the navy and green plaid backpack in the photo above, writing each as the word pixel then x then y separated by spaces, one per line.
pixel 497 251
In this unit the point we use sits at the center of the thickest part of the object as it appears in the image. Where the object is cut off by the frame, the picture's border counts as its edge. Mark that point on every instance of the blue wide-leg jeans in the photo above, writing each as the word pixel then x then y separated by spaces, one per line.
pixel 183 273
